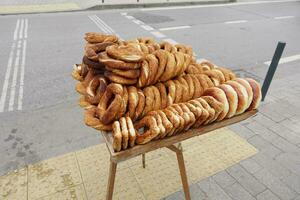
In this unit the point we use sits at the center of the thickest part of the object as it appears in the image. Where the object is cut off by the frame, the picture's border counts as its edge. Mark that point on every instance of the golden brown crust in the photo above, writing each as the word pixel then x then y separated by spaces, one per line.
pixel 220 96
pixel 256 93
pixel 203 81
pixel 242 96
pixel 183 117
pixel 191 85
pixel 131 132
pixel 192 117
pixel 151 130
pixel 144 74
pixel 116 64
pixel 232 99
pixel 117 136
pixel 179 92
pixel 185 88
pixel 113 95
pixel 215 104
pixel 124 105
pixel 91 119
pixel 93 37
pixel 211 112
pixel 126 53
pixel 166 123
pixel 130 73
pixel 163 95
pixel 204 114
pixel 171 92
pixel 173 118
pixel 92 50
pixel 248 88
pixel 79 87
pixel 169 69
pixel 197 87
pixel 84 104
pixel 162 62
pixel 124 132
pixel 149 97
pixel 119 79
pixel 133 100
pixel 141 104
pixel 153 67
pixel 157 98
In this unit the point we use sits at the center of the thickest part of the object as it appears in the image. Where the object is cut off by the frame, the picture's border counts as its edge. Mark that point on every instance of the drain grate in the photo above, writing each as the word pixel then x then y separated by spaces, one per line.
pixel 152 18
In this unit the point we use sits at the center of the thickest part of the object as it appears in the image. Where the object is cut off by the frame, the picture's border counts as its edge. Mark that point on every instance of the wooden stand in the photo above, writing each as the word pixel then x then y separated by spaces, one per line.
pixel 116 157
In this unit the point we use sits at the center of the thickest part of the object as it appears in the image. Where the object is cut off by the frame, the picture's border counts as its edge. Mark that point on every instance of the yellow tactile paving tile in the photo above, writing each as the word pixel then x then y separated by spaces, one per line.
pixel 14 185
pixel 83 174
pixel 53 175
pixel 12 9
pixel 73 193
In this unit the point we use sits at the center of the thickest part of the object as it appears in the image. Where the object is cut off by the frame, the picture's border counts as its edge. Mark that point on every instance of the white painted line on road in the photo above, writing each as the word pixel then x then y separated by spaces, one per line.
pixel 21 29
pixel 284 17
pixel 147 27
pixel 22 73
pixel 124 13
pixel 16 30
pixel 286 59
pixel 26 28
pixel 171 41
pixel 139 22
pixel 14 80
pixel 216 5
pixel 105 25
pixel 129 17
pixel 6 79
pixel 94 19
pixel 157 34
pixel 174 28
pixel 236 22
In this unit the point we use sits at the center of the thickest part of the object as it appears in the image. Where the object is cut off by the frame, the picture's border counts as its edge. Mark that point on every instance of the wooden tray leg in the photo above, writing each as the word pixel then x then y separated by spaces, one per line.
pixel 182 170
pixel 111 180
pixel 144 160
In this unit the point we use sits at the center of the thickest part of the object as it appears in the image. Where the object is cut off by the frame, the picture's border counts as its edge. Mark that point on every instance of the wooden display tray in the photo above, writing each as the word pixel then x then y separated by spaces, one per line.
pixel 169 143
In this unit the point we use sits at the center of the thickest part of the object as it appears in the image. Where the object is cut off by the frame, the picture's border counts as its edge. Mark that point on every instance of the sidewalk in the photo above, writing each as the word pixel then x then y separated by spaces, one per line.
pixel 36 6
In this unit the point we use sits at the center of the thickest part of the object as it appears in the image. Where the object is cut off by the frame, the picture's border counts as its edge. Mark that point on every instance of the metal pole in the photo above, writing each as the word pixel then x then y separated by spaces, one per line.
pixel 272 69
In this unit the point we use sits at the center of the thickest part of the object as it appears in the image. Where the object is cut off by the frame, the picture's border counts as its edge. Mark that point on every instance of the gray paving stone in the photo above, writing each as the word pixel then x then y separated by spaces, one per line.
pixel 224 179
pixel 272 113
pixel 297 198
pixel 264 146
pixel 197 193
pixel 262 131
pixel 175 196
pixel 275 185
pixel 267 195
pixel 295 126
pixel 237 192
pixel 285 146
pixel 250 165
pixel 286 133
pixel 212 190
pixel 291 161
pixel 264 120
pixel 252 185
pixel 242 131
pixel 271 165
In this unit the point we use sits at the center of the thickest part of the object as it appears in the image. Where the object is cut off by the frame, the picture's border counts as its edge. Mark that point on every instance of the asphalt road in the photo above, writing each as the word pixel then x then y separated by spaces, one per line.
pixel 39 116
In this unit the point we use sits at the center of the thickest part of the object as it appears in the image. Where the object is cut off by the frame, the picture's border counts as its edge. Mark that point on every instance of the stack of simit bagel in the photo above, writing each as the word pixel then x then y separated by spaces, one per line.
pixel 159 88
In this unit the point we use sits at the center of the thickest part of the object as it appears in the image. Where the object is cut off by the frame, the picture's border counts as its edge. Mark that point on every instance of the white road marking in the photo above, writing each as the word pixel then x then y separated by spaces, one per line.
pixel 139 22
pixel 286 59
pixel 26 28
pixel 236 22
pixel 174 28
pixel 171 41
pixel 105 25
pixel 6 79
pixel 22 73
pixel 98 24
pixel 129 17
pixel 216 5
pixel 15 76
pixel 124 13
pixel 284 17
pixel 21 29
pixel 16 30
pixel 147 27
pixel 157 34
